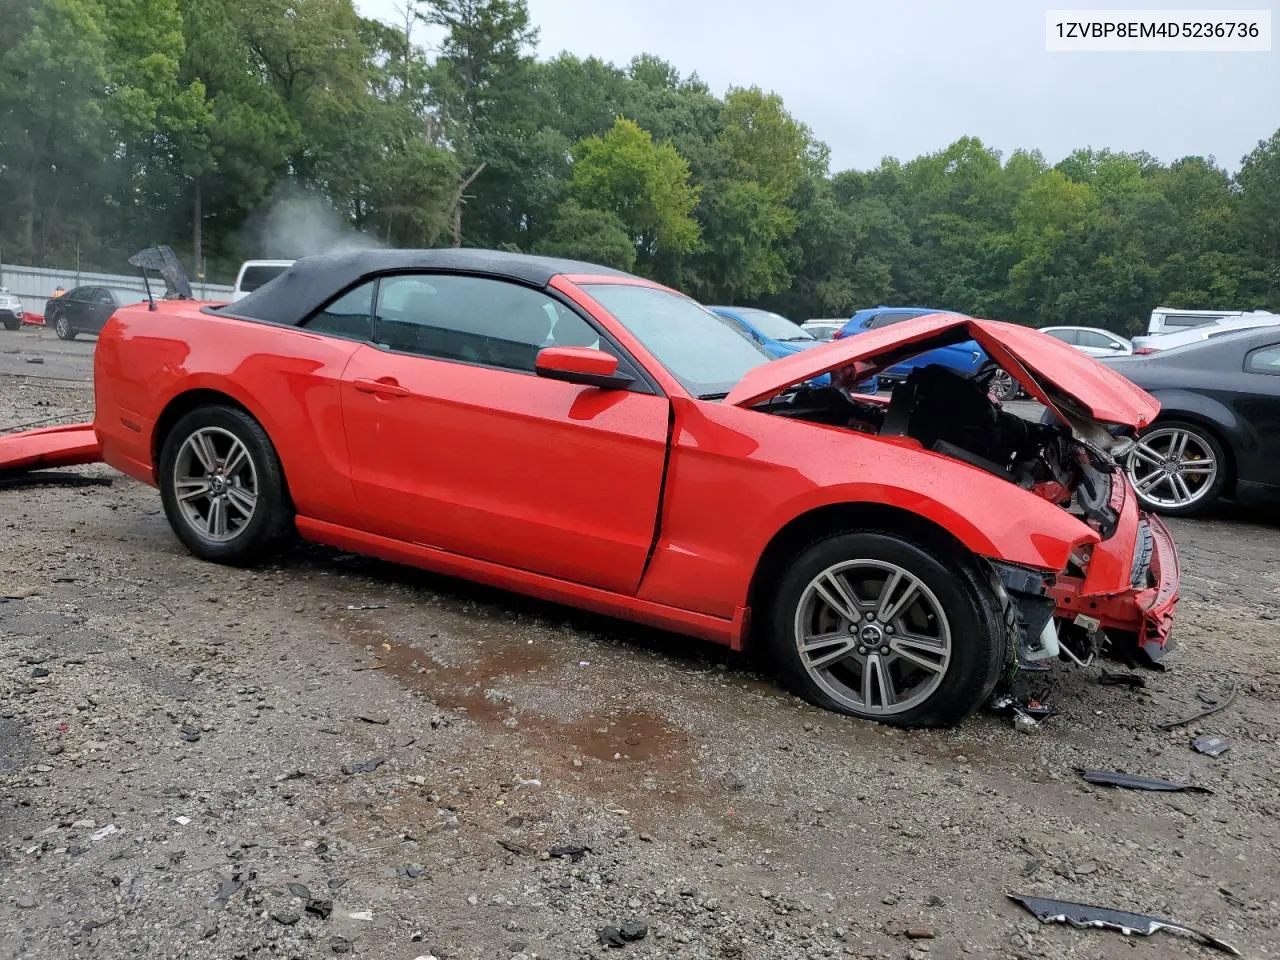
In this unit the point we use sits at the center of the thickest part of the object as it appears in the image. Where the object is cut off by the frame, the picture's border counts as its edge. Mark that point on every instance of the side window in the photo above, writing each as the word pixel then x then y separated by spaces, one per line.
pixel 1264 360
pixel 350 316
pixel 1185 320
pixel 886 319
pixel 1066 336
pixel 474 320
pixel 1090 339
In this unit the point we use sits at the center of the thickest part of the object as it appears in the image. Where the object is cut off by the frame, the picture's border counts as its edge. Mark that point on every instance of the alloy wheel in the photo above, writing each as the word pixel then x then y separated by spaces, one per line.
pixel 61 327
pixel 1172 467
pixel 873 636
pixel 215 484
pixel 1001 385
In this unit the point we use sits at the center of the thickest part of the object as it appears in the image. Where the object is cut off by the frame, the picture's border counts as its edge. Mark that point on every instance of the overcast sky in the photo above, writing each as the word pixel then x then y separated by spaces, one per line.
pixel 903 77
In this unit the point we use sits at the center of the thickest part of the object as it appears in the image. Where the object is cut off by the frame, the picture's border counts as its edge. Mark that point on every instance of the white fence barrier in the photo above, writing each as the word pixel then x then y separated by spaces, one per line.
pixel 34 285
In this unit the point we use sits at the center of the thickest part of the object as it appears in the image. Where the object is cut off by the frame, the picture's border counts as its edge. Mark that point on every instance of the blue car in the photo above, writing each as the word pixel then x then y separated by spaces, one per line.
pixel 779 337
pixel 966 358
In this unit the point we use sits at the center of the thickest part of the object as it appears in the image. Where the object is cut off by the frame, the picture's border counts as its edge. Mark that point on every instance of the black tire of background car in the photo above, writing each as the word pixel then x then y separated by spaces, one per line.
pixel 273 517
pixel 1008 389
pixel 12 324
pixel 1211 441
pixel 983 634
pixel 62 326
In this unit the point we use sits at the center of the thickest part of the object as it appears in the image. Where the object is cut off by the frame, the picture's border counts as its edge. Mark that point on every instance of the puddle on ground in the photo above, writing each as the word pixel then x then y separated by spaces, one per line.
pixel 628 735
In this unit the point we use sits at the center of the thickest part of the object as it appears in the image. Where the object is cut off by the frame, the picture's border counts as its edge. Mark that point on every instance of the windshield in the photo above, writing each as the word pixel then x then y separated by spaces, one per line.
pixel 259 276
pixel 772 325
pixel 704 351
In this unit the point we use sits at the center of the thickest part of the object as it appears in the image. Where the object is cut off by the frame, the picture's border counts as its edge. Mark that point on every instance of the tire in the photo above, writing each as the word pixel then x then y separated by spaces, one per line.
pixel 1001 386
pixel 1177 468
pixel 12 324
pixel 62 326
pixel 969 636
pixel 242 513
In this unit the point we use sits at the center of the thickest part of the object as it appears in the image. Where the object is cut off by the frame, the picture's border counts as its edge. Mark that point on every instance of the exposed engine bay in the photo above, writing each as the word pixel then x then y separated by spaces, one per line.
pixel 954 415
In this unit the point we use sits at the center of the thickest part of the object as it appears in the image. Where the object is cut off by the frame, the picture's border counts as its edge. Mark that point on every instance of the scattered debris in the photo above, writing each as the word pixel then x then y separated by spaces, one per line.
pixel 361 915
pixel 105 832
pixel 1027 715
pixel 1211 744
pixel 51 478
pixel 38 672
pixel 610 937
pixel 1131 680
pixel 921 934
pixel 1114 778
pixel 1231 898
pixel 367 766
pixel 35 359
pixel 227 889
pixel 366 606
pixel 299 890
pixel 319 908
pixel 285 917
pixel 190 734
pixel 633 931
pixel 182 821
pixel 18 593
pixel 377 719
pixel 574 852
pixel 1215 706
pixel 1083 915
pixel 519 849
pixel 339 945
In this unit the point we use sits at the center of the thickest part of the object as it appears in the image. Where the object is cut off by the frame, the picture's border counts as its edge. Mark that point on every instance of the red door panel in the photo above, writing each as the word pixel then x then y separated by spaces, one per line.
pixel 546 476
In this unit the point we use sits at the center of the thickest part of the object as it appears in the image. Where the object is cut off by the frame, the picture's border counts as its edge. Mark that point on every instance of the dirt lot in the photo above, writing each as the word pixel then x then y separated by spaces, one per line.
pixel 179 745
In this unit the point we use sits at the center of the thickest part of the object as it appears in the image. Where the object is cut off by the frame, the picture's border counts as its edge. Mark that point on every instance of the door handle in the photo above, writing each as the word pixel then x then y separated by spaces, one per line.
pixel 385 387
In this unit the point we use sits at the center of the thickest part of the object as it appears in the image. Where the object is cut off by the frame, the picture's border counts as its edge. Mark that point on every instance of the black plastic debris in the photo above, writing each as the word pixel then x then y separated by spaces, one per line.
pixel 611 937
pixel 300 891
pixel 226 890
pixel 573 851
pixel 38 672
pixel 1129 781
pixel 633 931
pixel 1083 915
pixel 367 766
pixel 1211 745
pixel 1214 705
pixel 319 908
pixel 1131 680
pixel 285 917
pixel 190 734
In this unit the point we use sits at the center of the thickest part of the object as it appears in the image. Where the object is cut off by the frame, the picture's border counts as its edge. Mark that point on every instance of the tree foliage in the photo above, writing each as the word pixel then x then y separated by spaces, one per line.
pixel 125 123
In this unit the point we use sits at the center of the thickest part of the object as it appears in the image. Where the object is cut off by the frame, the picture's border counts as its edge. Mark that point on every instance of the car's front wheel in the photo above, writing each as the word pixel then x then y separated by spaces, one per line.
pixel 12 323
pixel 1177 468
pixel 879 627
pixel 222 486
pixel 62 326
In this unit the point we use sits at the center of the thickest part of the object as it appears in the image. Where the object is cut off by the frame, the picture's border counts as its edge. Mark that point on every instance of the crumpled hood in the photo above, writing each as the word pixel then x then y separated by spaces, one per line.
pixel 1055 373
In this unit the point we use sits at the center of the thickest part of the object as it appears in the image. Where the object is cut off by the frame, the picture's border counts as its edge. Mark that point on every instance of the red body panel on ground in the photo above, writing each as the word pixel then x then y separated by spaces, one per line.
pixel 51 447
pixel 655 506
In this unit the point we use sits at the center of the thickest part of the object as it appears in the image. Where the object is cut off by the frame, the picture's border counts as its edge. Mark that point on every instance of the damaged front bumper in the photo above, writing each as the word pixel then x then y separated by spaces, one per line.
pixel 49 447
pixel 1132 582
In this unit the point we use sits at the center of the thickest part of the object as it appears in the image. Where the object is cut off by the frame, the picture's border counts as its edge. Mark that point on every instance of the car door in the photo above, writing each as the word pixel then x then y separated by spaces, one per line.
pixel 1095 344
pixel 457 444
pixel 100 309
pixel 1258 404
pixel 73 305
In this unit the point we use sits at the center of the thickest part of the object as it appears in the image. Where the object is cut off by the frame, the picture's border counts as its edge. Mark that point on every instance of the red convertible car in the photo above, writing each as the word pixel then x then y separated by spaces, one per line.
pixel 590 437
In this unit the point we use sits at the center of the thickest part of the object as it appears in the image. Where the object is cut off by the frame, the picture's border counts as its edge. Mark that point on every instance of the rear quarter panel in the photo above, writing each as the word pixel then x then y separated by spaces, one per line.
pixel 738 476
pixel 287 378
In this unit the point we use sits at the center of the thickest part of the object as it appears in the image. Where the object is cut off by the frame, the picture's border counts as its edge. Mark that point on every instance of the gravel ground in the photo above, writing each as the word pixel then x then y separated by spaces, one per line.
pixel 335 756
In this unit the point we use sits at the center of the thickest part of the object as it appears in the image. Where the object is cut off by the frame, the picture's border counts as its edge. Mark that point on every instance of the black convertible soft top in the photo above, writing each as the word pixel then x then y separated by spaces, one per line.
pixel 313 281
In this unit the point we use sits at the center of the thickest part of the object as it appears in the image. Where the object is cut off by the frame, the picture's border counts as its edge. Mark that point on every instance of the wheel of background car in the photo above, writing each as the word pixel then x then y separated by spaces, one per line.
pixel 62 326
pixel 1002 386
pixel 875 626
pixel 222 486
pixel 12 324
pixel 1177 468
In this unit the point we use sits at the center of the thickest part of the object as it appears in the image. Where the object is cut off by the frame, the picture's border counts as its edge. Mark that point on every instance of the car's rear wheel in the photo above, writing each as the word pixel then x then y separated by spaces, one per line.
pixel 222 486
pixel 1177 468
pixel 62 327
pixel 879 627
pixel 1001 386
pixel 12 323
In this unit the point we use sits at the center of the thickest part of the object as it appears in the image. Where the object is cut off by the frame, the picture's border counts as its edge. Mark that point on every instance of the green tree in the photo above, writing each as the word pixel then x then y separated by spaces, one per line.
pixel 594 235
pixel 642 183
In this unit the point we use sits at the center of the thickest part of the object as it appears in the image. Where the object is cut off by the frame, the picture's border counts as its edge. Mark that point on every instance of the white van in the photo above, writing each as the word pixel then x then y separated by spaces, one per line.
pixel 1172 319
pixel 256 273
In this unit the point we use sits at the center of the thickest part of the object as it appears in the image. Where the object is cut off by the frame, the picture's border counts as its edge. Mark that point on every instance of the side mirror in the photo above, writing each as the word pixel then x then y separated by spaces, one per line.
pixel 584 365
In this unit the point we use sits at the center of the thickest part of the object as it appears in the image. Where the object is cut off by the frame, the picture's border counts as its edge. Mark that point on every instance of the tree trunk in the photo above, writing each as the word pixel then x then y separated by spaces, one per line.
pixel 458 199
pixel 197 229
